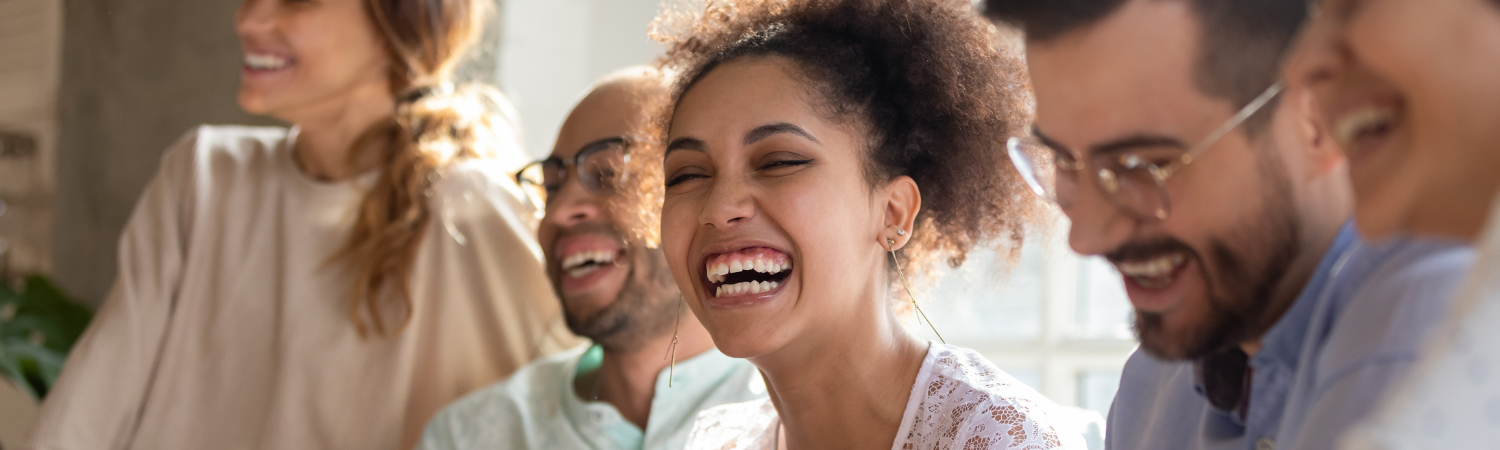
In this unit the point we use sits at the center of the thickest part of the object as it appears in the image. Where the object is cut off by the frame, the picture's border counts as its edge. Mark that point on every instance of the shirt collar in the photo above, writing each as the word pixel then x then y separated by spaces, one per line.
pixel 692 378
pixel 1282 344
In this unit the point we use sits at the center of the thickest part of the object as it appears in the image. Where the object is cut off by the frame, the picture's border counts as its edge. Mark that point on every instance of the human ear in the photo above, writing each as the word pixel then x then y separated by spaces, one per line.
pixel 903 200
pixel 1323 153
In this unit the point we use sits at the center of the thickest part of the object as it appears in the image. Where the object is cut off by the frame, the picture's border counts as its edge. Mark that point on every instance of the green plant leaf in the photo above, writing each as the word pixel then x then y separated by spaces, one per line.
pixel 10 367
pixel 31 367
pixel 43 313
pixel 38 326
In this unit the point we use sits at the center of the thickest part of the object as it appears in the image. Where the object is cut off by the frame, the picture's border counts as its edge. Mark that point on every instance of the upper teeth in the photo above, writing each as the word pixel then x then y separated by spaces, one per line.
pixel 717 271
pixel 264 62
pixel 1153 267
pixel 581 258
pixel 1361 121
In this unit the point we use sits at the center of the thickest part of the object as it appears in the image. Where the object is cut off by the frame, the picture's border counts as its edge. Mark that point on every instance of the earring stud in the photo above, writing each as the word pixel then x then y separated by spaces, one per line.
pixel 901 232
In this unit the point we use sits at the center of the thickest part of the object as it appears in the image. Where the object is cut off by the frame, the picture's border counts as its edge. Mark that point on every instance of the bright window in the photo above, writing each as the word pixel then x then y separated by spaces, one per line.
pixel 1056 321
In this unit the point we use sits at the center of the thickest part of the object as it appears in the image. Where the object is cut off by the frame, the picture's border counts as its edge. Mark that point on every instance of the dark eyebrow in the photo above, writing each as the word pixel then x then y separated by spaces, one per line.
pixel 765 131
pixel 1137 141
pixel 1050 143
pixel 1116 146
pixel 685 143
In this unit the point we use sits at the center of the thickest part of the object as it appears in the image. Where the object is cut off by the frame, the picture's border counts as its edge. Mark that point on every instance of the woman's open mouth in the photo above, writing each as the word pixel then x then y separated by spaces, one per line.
pixel 753 271
pixel 1363 130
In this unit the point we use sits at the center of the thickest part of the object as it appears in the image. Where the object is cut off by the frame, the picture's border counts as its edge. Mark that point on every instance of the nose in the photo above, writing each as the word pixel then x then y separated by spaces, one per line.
pixel 573 205
pixel 1098 226
pixel 254 16
pixel 1318 55
pixel 729 204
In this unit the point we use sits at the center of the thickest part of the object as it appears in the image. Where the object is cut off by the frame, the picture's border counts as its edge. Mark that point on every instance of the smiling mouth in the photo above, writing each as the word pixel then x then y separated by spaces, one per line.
pixel 1152 273
pixel 1364 125
pixel 580 264
pixel 265 62
pixel 750 271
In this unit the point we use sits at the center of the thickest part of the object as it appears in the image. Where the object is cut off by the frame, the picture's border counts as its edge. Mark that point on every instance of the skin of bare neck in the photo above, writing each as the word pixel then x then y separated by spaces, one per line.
pixel 329 129
pixel 1316 239
pixel 1324 203
pixel 627 379
pixel 845 384
pixel 1463 214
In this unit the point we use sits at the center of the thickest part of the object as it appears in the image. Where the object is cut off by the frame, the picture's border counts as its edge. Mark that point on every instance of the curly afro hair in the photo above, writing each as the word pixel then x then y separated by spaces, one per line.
pixel 937 88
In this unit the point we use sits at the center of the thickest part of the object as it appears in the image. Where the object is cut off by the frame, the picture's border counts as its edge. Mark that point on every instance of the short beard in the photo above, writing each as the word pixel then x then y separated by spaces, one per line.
pixel 1241 286
pixel 642 310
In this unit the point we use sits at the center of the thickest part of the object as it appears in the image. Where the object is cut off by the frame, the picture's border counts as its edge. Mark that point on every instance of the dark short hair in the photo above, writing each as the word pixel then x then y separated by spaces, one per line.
pixel 1241 51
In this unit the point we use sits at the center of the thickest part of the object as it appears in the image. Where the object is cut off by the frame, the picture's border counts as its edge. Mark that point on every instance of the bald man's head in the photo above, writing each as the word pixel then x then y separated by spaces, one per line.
pixel 616 105
pixel 617 293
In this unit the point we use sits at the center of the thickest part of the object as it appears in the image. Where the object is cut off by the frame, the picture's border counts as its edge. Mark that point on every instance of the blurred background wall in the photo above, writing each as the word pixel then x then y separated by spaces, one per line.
pixel 135 74
pixel 30 64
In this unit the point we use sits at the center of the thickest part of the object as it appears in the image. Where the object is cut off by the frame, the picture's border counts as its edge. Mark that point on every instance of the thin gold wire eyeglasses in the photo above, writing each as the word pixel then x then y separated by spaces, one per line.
pixel 1134 180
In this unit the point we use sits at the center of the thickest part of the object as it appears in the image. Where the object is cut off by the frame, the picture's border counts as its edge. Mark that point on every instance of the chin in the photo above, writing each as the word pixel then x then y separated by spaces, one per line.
pixel 742 339
pixel 253 103
pixel 1379 214
pixel 1162 338
pixel 1156 342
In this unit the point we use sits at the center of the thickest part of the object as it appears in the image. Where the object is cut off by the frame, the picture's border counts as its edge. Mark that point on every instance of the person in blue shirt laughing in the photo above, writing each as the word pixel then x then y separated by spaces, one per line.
pixel 620 392
pixel 1164 134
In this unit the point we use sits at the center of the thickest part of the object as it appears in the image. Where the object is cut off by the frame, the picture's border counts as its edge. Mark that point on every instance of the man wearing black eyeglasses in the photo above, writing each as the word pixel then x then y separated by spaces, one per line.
pixel 625 390
pixel 1163 133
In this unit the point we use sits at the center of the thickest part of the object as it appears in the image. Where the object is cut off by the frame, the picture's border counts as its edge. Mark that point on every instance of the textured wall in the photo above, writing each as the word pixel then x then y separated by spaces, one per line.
pixel 30 41
pixel 135 75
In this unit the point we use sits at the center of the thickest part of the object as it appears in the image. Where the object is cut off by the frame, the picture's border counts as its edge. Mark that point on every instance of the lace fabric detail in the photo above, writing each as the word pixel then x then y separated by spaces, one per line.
pixel 962 401
pixel 959 401
pixel 750 425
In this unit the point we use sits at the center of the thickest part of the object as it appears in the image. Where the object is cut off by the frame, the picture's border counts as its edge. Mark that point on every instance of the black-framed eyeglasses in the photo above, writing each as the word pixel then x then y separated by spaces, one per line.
pixel 602 166
pixel 1135 180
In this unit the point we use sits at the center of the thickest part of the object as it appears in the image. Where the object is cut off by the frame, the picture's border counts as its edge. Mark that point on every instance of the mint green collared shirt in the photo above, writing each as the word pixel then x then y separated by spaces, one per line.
pixel 538 409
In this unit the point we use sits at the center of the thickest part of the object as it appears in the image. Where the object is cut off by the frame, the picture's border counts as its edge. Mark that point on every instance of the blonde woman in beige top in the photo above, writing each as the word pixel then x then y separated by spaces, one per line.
pixel 330 286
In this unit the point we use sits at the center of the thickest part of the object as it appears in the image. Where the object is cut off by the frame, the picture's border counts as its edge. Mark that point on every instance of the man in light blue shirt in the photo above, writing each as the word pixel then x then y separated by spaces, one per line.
pixel 652 365
pixel 1163 133
pixel 1354 330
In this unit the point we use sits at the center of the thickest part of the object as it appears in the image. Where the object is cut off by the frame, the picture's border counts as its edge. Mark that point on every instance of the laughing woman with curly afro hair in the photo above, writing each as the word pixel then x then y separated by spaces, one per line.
pixel 805 145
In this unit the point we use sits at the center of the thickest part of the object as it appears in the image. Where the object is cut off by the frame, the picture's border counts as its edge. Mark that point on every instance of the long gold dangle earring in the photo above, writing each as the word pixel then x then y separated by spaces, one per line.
pixel 891 247
pixel 672 349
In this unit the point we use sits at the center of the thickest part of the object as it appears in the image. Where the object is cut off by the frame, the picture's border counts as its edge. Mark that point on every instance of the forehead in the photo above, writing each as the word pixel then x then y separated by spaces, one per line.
pixel 609 111
pixel 742 95
pixel 1130 74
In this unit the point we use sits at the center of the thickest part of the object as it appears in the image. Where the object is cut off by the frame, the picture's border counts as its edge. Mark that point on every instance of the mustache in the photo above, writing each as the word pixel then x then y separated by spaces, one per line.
pixel 1147 248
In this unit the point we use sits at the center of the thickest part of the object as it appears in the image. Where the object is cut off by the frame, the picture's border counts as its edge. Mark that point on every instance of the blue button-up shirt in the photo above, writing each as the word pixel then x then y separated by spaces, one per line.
pixel 1160 404
pixel 1366 335
pixel 537 407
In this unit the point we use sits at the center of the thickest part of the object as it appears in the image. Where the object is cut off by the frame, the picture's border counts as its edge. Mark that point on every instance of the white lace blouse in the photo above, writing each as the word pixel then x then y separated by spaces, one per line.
pixel 960 400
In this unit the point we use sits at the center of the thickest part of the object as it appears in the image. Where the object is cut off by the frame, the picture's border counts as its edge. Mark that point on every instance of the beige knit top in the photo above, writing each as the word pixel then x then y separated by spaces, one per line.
pixel 228 327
